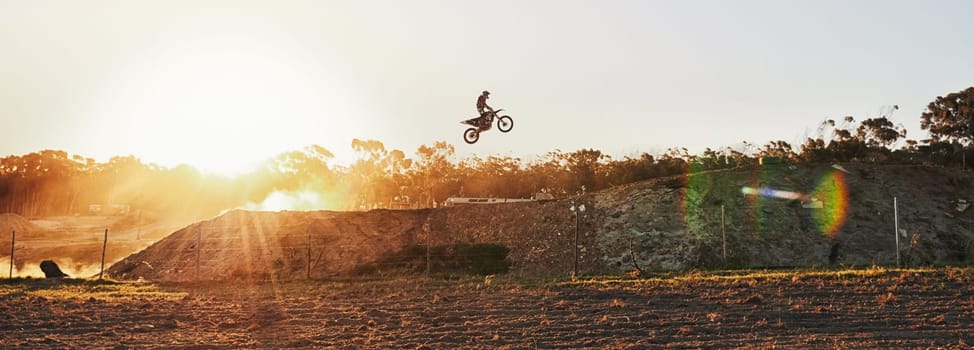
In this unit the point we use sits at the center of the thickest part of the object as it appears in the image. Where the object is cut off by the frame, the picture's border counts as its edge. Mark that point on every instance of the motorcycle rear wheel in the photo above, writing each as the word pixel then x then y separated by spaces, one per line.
pixel 505 123
pixel 471 135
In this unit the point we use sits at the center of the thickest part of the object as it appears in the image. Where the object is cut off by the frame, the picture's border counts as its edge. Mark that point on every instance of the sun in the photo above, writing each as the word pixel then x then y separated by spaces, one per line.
pixel 221 108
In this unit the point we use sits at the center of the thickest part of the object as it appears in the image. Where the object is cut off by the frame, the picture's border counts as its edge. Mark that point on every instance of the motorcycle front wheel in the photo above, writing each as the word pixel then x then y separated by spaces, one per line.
pixel 471 135
pixel 505 123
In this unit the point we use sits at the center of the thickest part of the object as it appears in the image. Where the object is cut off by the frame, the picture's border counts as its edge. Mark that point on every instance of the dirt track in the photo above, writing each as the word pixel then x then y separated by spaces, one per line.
pixel 863 309
pixel 664 224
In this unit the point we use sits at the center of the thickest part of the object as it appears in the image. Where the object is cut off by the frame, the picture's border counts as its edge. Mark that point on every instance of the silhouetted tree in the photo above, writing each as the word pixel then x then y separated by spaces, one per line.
pixel 779 149
pixel 879 132
pixel 434 176
pixel 588 167
pixel 814 151
pixel 378 173
pixel 549 174
pixel 951 117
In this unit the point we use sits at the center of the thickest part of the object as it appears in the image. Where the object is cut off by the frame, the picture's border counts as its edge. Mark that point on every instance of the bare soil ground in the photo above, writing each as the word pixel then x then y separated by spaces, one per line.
pixel 75 242
pixel 873 308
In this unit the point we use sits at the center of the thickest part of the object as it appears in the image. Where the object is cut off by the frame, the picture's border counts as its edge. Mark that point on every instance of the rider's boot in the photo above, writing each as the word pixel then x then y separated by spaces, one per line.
pixel 482 122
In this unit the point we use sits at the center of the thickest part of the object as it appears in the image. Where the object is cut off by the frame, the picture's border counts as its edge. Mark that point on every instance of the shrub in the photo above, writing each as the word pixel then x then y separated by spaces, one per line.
pixel 476 258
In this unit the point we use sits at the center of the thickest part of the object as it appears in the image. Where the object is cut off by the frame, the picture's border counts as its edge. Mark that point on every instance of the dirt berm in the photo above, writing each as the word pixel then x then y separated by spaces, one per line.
pixel 661 224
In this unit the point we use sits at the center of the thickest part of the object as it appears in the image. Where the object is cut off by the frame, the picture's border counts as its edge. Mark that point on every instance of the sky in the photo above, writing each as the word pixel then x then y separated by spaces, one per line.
pixel 221 85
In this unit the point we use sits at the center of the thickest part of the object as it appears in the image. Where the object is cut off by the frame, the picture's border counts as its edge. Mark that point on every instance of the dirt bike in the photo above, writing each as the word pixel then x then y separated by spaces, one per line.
pixel 481 124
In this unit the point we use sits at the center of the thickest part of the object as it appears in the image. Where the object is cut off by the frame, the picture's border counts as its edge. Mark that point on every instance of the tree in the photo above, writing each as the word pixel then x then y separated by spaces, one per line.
pixel 434 172
pixel 713 159
pixel 779 149
pixel 378 172
pixel 843 133
pixel 879 132
pixel 813 150
pixel 549 174
pixel 298 168
pixel 674 161
pixel 588 166
pixel 951 117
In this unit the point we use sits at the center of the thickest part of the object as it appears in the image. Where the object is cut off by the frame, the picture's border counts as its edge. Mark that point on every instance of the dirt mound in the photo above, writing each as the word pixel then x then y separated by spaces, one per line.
pixel 244 244
pixel 700 220
pixel 13 222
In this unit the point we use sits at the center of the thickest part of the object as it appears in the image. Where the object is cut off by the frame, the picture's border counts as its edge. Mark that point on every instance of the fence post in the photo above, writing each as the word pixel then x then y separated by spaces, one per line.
pixel 309 251
pixel 575 250
pixel 723 233
pixel 13 240
pixel 896 231
pixel 199 248
pixel 426 227
pixel 104 246
pixel 576 209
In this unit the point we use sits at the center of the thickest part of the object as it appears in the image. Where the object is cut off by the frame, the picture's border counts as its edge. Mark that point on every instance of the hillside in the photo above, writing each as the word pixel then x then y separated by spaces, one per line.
pixel 665 224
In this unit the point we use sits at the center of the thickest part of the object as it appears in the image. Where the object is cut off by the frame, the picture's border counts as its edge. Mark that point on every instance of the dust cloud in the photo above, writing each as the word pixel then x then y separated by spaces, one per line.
pixel 67 265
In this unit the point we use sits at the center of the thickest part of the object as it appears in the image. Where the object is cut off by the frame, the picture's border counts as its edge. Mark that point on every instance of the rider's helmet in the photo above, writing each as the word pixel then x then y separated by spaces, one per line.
pixel 486 93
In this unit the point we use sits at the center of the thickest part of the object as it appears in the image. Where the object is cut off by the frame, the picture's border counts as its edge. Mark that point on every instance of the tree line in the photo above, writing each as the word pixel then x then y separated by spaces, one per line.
pixel 52 182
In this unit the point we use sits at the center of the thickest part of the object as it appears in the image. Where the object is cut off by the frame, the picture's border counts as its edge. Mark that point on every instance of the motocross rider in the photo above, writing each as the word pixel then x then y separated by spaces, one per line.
pixel 482 106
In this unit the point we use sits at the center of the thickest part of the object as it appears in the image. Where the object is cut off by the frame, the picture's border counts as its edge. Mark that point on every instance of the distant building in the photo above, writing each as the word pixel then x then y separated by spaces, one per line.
pixel 111 209
pixel 400 202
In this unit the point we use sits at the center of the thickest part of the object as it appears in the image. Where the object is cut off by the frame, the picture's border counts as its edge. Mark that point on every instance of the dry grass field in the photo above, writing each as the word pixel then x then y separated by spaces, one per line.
pixel 848 308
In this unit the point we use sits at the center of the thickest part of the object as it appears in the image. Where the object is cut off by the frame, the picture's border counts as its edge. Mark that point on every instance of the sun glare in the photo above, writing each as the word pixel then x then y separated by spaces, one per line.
pixel 221 106
pixel 282 200
pixel 229 167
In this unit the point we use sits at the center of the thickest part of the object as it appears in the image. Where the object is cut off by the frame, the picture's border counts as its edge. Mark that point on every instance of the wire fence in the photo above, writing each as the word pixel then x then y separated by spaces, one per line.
pixel 195 250
pixel 322 247
pixel 56 244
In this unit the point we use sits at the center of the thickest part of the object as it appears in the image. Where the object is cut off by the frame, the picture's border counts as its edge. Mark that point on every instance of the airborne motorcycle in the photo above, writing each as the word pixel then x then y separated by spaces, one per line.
pixel 481 124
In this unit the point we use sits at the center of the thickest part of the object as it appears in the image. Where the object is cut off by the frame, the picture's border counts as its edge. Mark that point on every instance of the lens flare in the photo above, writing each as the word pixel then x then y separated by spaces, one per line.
pixel 823 203
pixel 828 202
pixel 833 193
pixel 773 193
pixel 694 212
